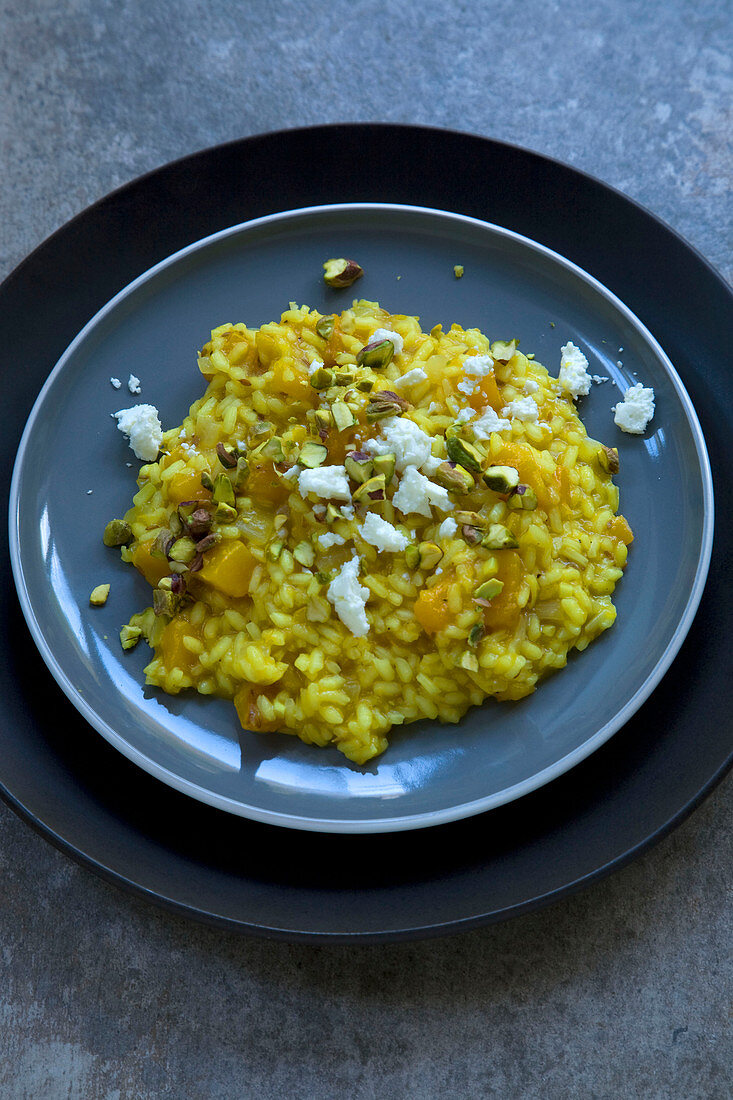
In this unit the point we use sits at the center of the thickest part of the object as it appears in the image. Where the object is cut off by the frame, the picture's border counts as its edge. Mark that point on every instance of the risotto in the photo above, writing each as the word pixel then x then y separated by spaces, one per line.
pixel 361 524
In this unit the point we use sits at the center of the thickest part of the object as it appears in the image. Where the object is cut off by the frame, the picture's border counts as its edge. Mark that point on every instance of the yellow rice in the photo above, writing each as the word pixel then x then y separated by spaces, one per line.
pixel 279 650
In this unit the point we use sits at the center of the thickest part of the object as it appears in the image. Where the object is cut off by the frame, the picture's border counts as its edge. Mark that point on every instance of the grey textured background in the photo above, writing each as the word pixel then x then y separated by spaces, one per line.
pixel 623 991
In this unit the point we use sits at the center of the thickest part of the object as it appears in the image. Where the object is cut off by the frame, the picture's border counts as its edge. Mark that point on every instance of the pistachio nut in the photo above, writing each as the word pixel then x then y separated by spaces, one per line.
pixel 488 589
pixel 376 355
pixel 454 477
pixel 227 456
pixel 325 327
pixel 372 491
pixel 117 533
pixel 339 273
pixel 312 455
pixel 523 499
pixel 130 636
pixel 464 454
pixel 499 537
pixel 385 464
pixel 503 350
pixel 608 459
pixel 502 479
pixel 98 595
pixel 359 466
pixel 322 378
pixel 342 415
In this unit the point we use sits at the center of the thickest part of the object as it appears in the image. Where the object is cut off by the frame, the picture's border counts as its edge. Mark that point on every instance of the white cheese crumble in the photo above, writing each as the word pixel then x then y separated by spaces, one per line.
pixel 314 365
pixel 329 482
pixel 349 597
pixel 330 539
pixel 416 494
pixel 410 445
pixel 388 334
pixel 417 374
pixel 573 376
pixel 377 532
pixel 133 384
pixel 530 386
pixel 292 472
pixel 522 408
pixel 475 367
pixel 465 415
pixel 143 428
pixel 347 511
pixel 598 378
pixel 116 383
pixel 447 528
pixel 489 422
pixel 636 410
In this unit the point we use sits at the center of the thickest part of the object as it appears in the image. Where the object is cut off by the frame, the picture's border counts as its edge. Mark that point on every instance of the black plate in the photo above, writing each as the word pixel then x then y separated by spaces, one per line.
pixel 92 803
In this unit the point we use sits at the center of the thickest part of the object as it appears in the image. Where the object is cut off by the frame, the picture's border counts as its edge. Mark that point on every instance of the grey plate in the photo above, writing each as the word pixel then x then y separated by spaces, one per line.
pixel 431 773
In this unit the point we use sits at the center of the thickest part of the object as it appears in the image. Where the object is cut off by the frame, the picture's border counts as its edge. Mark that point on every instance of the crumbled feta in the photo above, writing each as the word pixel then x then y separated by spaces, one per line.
pixel 447 528
pixel 434 406
pixel 636 410
pixel 465 415
pixel 416 493
pixel 598 378
pixel 314 365
pixel 489 422
pixel 347 511
pixel 475 367
pixel 329 539
pixel 522 408
pixel 133 384
pixel 143 428
pixel 349 598
pixel 116 383
pixel 410 445
pixel 573 376
pixel 329 482
pixel 294 471
pixel 377 532
pixel 417 374
pixel 188 448
pixel 530 386
pixel 388 334
pixel 431 464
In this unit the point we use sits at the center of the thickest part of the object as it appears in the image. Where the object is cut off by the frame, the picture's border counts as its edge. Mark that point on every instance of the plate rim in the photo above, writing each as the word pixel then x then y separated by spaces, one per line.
pixel 406 822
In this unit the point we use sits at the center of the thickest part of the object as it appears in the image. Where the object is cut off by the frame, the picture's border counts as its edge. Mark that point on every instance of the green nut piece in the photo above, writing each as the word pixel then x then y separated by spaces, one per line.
pixel 376 355
pixel 499 537
pixel 227 456
pixel 488 589
pixel 458 271
pixel 385 464
pixel 344 376
pixel 339 273
pixel 241 474
pixel 323 420
pixel 342 415
pixel 273 449
pixel 333 513
pixel 130 636
pixel 365 385
pixel 430 554
pixel 312 455
pixel 464 454
pixel 359 466
pixel 503 350
pixel 473 519
pixel 117 533
pixel 608 459
pixel 372 491
pixel 274 550
pixel 454 477
pixel 304 553
pixel 206 481
pixel 386 403
pixel 476 634
pixel 223 491
pixel 324 578
pixel 453 431
pixel 502 479
pixel 322 378
pixel 225 513
pixel 412 557
pixel 183 550
pixel 165 602
pixel 98 595
pixel 325 327
pixel 523 499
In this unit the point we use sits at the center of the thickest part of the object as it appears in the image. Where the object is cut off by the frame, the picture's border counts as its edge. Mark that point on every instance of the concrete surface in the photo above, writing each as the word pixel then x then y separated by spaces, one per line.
pixel 624 991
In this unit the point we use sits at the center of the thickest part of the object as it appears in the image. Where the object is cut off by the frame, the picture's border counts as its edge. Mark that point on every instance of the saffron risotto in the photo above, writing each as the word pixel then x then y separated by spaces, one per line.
pixel 352 530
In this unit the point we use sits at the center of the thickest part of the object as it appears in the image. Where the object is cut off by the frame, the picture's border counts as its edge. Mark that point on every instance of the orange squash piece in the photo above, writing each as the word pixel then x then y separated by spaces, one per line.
pixel 153 569
pixel 186 485
pixel 249 714
pixel 264 485
pixel 171 647
pixel 521 456
pixel 286 379
pixel 504 611
pixel 228 567
pixel 431 608
pixel 487 393
pixel 618 528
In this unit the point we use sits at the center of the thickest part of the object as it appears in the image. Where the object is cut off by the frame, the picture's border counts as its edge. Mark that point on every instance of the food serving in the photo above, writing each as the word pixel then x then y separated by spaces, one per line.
pixel 361 524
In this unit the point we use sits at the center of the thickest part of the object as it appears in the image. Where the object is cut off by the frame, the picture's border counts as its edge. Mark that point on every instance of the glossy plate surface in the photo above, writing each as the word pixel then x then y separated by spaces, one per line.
pixel 431 773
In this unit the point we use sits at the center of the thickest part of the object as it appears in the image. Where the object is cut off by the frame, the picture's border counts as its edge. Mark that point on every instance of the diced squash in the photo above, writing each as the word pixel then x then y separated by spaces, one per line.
pixel 289 379
pixel 249 714
pixel 153 569
pixel 186 485
pixel 228 567
pixel 522 457
pixel 171 648
pixel 487 393
pixel 618 528
pixel 265 486
pixel 431 608
pixel 504 611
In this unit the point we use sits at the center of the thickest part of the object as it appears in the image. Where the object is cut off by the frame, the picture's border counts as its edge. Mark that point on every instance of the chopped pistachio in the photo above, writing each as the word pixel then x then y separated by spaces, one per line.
pixel 372 490
pixel 476 634
pixel 385 464
pixel 458 271
pixel 523 498
pixel 165 602
pixel 464 454
pixel 207 542
pixel 227 456
pixel 273 449
pixel 339 273
pixel 333 513
pixel 175 525
pixel 503 350
pixel 225 513
pixel 183 550
pixel 198 523
pixel 376 355
pixel 117 533
pixel 130 636
pixel 468 661
pixel 162 544
pixel 206 481
pixel 98 596
pixel 223 491
pixel 322 378
pixel 472 535
pixel 262 427
pixel 436 331
pixel 342 416
pixel 472 518
pixel 324 420
pixel 241 474
pixel 412 557
pixel 325 327
pixel 304 553
pixel 608 459
pixel 324 578
pixel 499 537
pixel 430 554
pixel 488 589
pixel 359 466
pixel 312 455
pixel 365 385
pixel 502 479
pixel 274 550
pixel 454 477
pixel 344 376
pixel 385 403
